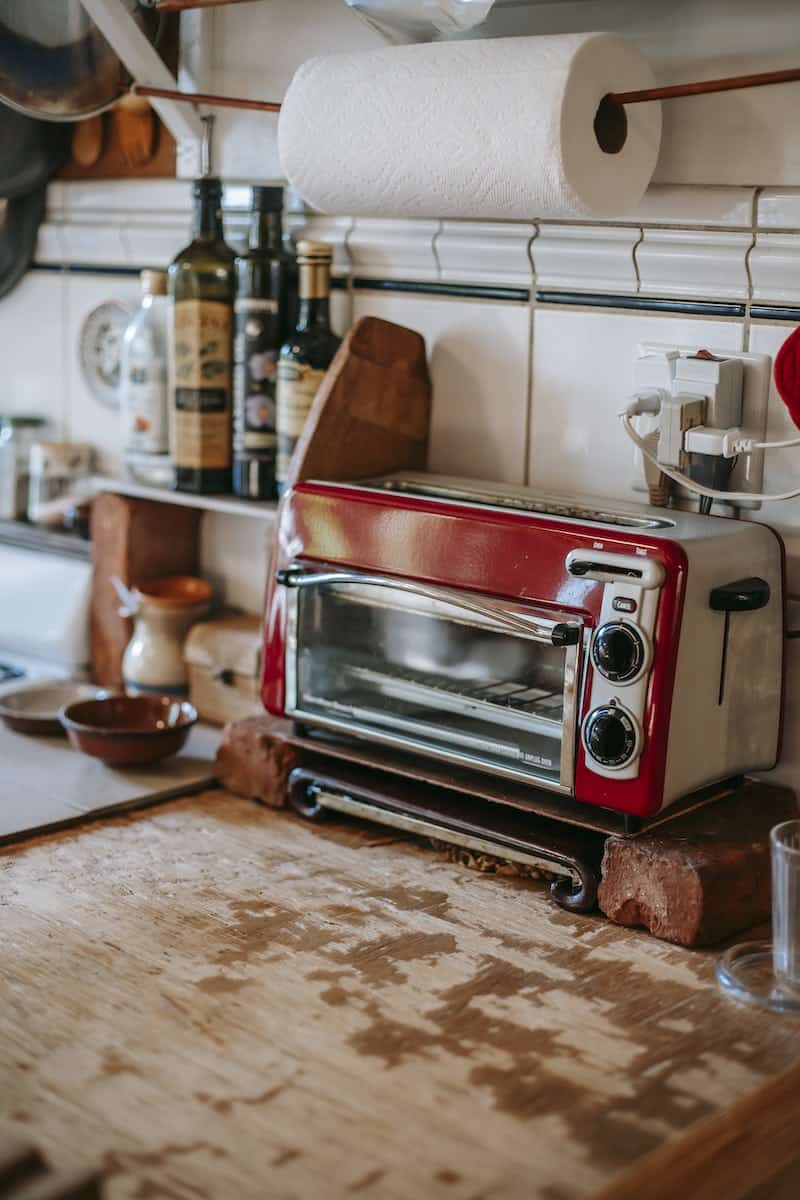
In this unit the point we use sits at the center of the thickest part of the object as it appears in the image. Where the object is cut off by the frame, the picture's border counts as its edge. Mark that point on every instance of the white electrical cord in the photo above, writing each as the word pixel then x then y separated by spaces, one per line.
pixel 773 445
pixel 698 488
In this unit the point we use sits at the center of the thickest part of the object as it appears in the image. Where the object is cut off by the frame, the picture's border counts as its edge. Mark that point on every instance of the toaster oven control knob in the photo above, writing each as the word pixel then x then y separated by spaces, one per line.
pixel 610 736
pixel 618 651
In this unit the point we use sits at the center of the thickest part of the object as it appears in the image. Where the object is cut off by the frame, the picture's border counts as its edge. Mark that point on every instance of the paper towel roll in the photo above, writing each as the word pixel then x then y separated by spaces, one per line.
pixel 485 129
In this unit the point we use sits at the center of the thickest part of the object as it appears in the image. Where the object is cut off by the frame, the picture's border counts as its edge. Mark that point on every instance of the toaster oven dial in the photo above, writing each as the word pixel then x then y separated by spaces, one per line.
pixel 610 736
pixel 619 651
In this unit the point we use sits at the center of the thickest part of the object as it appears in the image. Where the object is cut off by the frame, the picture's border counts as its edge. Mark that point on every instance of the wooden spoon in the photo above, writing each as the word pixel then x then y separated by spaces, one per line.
pixel 87 141
pixel 134 127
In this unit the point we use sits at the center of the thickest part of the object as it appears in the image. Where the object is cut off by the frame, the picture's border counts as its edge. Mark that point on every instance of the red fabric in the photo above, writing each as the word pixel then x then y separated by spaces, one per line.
pixel 787 374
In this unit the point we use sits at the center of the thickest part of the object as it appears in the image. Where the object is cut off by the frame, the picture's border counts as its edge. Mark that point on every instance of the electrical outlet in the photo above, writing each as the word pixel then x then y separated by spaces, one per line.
pixel 748 473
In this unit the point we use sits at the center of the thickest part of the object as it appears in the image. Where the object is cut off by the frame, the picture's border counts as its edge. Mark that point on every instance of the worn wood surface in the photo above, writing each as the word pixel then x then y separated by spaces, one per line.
pixel 211 999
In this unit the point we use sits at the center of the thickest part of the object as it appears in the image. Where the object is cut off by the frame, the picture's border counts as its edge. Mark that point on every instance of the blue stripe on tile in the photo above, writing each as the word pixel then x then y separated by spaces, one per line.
pixel 700 308
pixel 86 269
pixel 774 312
pixel 424 288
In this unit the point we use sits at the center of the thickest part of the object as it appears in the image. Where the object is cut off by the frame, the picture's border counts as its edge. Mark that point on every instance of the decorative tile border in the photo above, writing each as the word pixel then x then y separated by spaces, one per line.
pixel 592 258
pixel 485 252
pixel 714 207
pixel 120 226
pixel 779 208
pixel 687 262
pixel 393 249
pixel 775 267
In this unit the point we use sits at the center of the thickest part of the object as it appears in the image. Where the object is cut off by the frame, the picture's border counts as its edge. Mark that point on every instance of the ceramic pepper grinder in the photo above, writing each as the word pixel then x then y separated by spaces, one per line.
pixel 164 611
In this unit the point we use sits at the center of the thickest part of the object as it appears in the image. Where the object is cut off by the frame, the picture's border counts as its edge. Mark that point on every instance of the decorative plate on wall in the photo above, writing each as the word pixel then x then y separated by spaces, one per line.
pixel 99 348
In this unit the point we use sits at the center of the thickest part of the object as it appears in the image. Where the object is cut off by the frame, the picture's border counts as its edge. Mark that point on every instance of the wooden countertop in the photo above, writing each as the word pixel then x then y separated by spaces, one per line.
pixel 210 999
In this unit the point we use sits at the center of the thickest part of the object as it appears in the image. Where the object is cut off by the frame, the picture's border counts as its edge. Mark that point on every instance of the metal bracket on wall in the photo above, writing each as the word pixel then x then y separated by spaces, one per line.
pixel 146 66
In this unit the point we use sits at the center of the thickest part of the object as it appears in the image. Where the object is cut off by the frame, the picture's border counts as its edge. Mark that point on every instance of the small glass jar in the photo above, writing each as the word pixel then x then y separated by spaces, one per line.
pixel 17 435
pixel 58 470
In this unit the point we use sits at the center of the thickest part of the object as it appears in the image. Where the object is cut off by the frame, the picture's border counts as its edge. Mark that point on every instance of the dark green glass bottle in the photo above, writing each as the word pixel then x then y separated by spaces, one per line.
pixel 307 354
pixel 201 287
pixel 263 321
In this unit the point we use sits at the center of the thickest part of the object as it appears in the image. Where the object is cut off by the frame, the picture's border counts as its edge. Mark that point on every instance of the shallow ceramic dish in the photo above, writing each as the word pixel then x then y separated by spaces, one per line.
pixel 34 708
pixel 129 730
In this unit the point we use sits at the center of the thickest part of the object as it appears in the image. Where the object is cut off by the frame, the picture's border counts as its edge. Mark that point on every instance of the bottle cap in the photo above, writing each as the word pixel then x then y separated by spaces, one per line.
pixel 314 252
pixel 153 283
pixel 267 199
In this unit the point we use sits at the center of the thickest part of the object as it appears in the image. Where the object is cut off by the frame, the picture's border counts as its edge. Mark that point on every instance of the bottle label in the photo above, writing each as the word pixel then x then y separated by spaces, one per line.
pixel 202 352
pixel 297 386
pixel 255 355
pixel 144 405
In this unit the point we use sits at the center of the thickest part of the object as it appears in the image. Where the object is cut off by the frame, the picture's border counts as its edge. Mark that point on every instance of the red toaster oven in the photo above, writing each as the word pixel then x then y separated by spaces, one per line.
pixel 619 655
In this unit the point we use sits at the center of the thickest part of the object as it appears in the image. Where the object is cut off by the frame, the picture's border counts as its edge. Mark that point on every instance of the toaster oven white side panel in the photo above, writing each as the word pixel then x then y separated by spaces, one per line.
pixel 709 741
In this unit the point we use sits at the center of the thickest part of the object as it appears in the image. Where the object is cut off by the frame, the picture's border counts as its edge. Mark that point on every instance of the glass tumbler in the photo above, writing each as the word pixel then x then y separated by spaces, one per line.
pixel 761 973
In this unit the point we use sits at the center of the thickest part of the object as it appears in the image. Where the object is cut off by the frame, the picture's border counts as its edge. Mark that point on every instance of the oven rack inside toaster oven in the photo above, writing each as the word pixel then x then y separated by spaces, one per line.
pixel 514 704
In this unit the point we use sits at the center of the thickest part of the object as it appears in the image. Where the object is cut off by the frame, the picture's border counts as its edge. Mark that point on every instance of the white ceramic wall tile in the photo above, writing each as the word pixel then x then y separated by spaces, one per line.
pixel 391 249
pixel 478 356
pixel 485 252
pixel 663 204
pixel 582 375
pixel 341 311
pixel 775 267
pixel 234 557
pixel 585 258
pixel 779 208
pixel 151 246
pixel 49 247
pixel 94 243
pixel 115 222
pixel 87 419
pixel 32 348
pixel 782 473
pixel 686 262
pixel 335 231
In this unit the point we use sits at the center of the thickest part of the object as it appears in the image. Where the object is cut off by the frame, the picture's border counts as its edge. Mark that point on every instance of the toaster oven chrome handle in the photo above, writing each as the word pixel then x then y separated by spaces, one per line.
pixel 558 633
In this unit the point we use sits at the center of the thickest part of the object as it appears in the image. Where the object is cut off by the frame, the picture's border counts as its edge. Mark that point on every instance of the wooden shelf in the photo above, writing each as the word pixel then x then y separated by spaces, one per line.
pixel 260 510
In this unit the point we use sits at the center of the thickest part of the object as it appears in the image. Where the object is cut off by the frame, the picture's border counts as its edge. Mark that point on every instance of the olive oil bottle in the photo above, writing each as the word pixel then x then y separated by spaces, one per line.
pixel 263 319
pixel 306 356
pixel 201 289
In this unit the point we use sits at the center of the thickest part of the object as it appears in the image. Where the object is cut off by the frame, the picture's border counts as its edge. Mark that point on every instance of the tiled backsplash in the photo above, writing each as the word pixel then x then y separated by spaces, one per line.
pixel 531 328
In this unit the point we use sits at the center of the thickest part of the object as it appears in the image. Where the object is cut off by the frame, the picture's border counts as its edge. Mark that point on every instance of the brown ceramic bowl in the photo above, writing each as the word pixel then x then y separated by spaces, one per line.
pixel 126 731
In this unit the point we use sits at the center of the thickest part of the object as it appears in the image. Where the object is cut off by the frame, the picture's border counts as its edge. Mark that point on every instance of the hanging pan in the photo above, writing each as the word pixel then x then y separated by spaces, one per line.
pixel 54 62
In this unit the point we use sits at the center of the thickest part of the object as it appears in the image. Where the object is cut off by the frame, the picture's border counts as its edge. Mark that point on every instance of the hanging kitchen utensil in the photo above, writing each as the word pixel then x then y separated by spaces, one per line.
pixel 87 141
pixel 30 151
pixel 55 63
pixel 19 226
pixel 133 123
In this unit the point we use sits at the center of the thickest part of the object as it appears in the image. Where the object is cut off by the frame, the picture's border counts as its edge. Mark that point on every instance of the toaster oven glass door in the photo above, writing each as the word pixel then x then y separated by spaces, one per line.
pixel 462 677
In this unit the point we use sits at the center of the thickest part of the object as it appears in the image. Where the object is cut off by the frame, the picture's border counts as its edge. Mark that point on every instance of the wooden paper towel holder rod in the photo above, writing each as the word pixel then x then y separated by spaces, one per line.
pixel 733 83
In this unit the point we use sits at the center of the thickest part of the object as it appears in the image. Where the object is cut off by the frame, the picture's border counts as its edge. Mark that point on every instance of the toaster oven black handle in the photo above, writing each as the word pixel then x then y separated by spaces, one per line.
pixel 743 595
pixel 560 633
